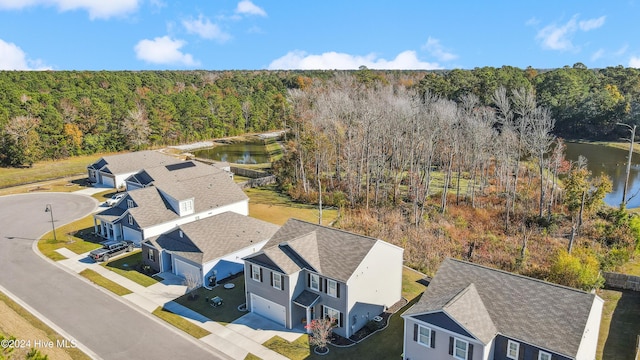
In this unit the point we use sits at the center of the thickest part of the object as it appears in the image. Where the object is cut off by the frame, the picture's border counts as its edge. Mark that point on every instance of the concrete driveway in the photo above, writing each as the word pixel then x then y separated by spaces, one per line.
pixel 105 326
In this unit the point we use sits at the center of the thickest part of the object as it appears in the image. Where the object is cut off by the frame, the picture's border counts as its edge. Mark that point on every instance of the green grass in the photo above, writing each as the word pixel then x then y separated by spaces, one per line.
pixel 74 353
pixel 411 288
pixel 181 323
pixel 267 204
pixel 297 350
pixel 632 267
pixel 105 283
pixel 224 314
pixel 250 356
pixel 620 325
pixel 128 267
pixel 69 236
pixel 46 170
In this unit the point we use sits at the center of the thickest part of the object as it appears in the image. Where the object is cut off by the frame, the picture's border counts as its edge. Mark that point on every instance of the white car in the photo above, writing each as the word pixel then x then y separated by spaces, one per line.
pixel 115 198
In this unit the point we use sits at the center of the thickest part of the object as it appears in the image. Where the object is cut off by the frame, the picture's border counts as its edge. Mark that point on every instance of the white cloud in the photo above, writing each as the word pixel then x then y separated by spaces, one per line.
pixel 532 21
pixel 436 50
pixel 12 57
pixel 248 8
pixel 406 60
pixel 97 9
pixel 591 24
pixel 634 62
pixel 597 55
pixel 204 28
pixel 558 37
pixel 164 50
pixel 622 50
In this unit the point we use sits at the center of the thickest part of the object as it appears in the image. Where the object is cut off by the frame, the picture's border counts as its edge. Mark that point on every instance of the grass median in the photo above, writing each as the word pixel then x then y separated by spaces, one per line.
pixel 100 280
pixel 181 323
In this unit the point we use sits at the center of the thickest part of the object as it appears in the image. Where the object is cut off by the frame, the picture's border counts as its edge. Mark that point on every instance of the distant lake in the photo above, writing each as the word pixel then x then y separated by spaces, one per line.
pixel 255 152
pixel 612 162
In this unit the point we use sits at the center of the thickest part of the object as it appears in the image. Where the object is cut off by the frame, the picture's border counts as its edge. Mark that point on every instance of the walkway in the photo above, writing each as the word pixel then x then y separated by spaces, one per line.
pixel 235 340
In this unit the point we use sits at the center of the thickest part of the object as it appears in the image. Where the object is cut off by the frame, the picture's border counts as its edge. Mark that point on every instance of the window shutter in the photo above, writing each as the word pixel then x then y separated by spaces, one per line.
pixel 322 312
pixel 340 321
pixel 415 332
pixel 521 352
pixel 320 283
pixel 433 339
pixel 337 289
pixel 260 274
pixel 271 278
pixel 325 285
pixel 470 352
pixel 308 280
pixel 450 345
pixel 251 270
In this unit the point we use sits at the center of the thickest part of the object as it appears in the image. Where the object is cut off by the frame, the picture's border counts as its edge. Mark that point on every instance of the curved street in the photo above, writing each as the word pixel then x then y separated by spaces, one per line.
pixel 106 326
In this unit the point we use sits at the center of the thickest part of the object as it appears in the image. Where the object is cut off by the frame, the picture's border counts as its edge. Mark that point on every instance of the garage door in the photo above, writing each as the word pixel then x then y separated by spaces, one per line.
pixel 108 181
pixel 182 269
pixel 268 309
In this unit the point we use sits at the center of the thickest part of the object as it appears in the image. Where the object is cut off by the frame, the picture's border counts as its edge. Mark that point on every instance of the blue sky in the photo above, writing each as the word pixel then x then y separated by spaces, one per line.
pixel 328 34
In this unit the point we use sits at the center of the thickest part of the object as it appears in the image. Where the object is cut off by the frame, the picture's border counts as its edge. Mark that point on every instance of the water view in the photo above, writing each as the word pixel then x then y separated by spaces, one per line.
pixel 238 153
pixel 612 162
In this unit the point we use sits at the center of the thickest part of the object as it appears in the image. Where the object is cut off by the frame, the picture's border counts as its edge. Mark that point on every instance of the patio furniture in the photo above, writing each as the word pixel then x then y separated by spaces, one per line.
pixel 216 301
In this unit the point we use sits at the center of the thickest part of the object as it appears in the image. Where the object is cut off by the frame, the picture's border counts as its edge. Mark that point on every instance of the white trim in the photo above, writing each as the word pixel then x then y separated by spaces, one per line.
pixel 335 293
pixel 451 333
pixel 317 277
pixel 253 272
pixel 517 344
pixel 273 276
pixel 466 351
pixel 324 314
pixel 420 327
pixel 542 353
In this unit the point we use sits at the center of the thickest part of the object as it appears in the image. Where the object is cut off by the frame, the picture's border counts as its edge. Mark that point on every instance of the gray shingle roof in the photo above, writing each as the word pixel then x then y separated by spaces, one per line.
pixel 213 237
pixel 328 251
pixel 534 311
pixel 134 161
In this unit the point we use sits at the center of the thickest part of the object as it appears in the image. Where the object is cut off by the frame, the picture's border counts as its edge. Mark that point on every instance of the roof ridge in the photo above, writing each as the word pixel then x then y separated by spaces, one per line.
pixel 524 277
pixel 333 228
pixel 459 295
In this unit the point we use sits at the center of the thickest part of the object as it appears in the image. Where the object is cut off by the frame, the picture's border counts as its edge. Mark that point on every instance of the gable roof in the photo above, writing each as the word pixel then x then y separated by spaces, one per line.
pixel 214 237
pixel 523 308
pixel 132 162
pixel 301 245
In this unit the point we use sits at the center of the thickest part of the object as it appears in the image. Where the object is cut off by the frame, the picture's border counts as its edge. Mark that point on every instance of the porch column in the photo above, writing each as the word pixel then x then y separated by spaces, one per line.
pixel 308 319
pixel 95 226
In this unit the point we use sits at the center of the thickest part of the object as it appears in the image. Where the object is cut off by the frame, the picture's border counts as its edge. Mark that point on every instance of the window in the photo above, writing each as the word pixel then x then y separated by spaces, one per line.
pixel 544 356
pixel 460 348
pixel 314 282
pixel 332 288
pixel 130 218
pixel 255 273
pixel 513 349
pixel 129 203
pixel 333 314
pixel 424 336
pixel 277 281
pixel 150 255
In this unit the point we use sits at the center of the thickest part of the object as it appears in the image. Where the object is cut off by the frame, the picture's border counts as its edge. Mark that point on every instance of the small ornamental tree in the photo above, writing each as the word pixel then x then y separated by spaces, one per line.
pixel 321 330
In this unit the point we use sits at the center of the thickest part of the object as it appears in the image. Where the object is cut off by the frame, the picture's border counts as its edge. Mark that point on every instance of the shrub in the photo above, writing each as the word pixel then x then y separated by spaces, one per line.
pixel 581 269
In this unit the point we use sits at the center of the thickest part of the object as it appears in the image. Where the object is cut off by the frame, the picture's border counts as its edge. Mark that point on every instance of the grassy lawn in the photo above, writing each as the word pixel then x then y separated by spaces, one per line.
pixel 224 314
pixel 250 356
pixel 632 267
pixel 46 170
pixel 269 205
pixel 105 283
pixel 181 323
pixel 128 267
pixel 76 236
pixel 620 325
pixel 20 323
pixel 386 344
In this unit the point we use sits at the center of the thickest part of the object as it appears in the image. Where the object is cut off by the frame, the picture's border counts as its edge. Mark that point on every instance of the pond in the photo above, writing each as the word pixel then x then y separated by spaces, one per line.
pixel 612 162
pixel 254 152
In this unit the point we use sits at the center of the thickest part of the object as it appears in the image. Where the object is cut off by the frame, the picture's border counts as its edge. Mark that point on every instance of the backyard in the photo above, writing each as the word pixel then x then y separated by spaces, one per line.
pixel 198 301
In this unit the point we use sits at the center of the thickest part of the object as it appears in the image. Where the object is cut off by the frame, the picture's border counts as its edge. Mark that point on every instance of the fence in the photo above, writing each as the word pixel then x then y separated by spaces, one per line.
pixel 253 174
pixel 622 281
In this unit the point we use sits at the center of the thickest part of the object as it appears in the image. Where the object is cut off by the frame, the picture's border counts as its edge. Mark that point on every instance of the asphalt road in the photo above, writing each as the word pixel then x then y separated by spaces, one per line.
pixel 109 328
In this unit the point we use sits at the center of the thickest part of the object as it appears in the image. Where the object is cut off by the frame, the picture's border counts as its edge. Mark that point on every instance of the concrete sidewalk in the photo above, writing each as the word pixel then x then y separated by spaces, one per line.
pixel 235 340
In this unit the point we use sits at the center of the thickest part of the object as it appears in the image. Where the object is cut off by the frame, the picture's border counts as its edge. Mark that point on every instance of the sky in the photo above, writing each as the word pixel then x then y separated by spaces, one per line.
pixel 325 34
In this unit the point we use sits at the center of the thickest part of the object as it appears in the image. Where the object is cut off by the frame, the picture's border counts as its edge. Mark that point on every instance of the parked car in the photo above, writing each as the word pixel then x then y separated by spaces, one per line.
pixel 115 198
pixel 110 249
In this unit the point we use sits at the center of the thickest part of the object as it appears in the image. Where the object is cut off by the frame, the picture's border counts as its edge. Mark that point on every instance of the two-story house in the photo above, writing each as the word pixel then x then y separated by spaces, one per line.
pixel 113 170
pixel 170 196
pixel 308 271
pixel 471 312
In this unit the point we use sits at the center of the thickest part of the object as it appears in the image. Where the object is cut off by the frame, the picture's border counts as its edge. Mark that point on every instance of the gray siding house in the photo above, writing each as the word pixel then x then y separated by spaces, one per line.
pixel 308 271
pixel 474 312
pixel 113 170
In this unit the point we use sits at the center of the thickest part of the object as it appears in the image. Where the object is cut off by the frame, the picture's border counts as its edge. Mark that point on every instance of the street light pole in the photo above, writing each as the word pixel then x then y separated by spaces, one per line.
pixel 632 130
pixel 49 209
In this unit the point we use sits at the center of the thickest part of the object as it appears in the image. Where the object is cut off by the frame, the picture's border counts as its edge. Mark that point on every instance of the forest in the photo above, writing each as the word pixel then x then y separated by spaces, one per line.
pixel 463 163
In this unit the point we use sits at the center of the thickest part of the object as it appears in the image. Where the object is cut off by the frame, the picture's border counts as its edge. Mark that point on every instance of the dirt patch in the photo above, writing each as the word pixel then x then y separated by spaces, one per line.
pixel 13 324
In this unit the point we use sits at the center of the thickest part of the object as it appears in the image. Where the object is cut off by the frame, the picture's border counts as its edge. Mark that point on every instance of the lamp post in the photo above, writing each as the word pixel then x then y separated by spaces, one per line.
pixel 632 130
pixel 49 209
